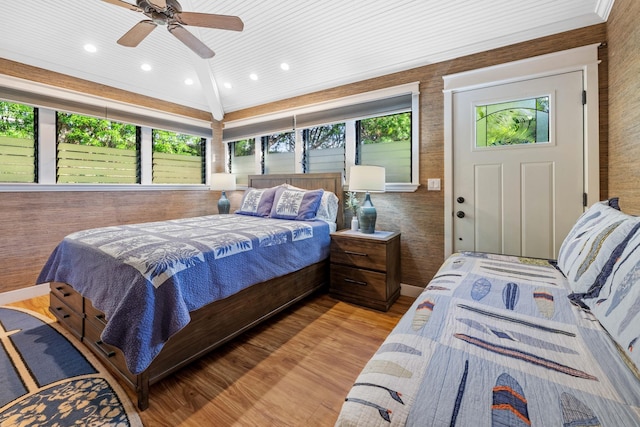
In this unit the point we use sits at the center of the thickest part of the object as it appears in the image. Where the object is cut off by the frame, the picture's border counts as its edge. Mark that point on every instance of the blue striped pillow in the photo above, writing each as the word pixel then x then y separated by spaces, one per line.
pixel 590 249
pixel 617 302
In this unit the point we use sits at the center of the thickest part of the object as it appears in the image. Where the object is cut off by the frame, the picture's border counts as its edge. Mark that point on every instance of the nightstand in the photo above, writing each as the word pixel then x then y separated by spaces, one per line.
pixel 365 268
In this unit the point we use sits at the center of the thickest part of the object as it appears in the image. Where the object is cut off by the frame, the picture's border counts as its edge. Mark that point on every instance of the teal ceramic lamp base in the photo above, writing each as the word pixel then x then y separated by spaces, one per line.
pixel 368 215
pixel 223 204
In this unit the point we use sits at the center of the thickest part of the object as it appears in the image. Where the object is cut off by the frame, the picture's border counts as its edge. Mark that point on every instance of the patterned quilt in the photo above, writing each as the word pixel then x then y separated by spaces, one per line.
pixel 494 341
pixel 147 277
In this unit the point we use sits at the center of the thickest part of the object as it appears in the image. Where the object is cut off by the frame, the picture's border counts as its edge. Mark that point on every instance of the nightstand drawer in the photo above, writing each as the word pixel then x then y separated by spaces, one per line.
pixel 65 315
pixel 359 253
pixel 355 281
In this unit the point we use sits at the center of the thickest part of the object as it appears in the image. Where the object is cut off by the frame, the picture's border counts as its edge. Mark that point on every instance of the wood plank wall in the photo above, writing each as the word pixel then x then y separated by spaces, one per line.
pixel 32 224
pixel 624 104
pixel 420 215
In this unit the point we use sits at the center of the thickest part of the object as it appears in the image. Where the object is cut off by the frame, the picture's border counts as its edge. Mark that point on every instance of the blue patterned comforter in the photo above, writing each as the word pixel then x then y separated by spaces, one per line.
pixel 494 341
pixel 147 277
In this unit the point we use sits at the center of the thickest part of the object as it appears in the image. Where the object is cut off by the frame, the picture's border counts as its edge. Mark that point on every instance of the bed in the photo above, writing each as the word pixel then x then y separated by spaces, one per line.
pixel 147 310
pixel 499 340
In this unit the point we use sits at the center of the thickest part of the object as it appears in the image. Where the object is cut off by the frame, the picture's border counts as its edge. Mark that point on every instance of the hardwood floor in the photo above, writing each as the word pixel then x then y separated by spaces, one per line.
pixel 294 370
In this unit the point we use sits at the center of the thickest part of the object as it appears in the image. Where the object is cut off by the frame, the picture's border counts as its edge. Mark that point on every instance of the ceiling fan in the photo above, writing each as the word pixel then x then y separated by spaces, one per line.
pixel 169 13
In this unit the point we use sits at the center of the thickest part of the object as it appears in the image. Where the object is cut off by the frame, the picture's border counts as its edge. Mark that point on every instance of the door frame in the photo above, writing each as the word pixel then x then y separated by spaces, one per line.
pixel 583 59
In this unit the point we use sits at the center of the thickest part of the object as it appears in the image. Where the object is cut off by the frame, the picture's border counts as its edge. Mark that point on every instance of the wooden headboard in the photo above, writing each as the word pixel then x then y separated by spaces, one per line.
pixel 331 181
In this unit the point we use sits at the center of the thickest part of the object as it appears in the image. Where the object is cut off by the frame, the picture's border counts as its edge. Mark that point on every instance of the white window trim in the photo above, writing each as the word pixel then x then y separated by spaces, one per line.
pixel 350 153
pixel 47 154
pixel 47 148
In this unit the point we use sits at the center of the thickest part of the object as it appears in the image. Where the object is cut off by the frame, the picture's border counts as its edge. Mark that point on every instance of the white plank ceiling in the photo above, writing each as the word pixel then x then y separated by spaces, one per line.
pixel 325 42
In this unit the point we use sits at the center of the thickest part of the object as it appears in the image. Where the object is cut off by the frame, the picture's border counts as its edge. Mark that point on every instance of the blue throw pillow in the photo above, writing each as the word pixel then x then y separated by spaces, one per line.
pixel 295 204
pixel 257 202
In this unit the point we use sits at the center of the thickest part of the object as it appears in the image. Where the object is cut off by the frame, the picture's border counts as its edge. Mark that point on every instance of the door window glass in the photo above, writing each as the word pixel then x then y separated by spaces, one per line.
pixel 525 121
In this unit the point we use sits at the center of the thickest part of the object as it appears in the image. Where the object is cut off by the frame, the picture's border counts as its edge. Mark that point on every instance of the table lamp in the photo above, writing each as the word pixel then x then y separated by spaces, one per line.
pixel 223 182
pixel 367 179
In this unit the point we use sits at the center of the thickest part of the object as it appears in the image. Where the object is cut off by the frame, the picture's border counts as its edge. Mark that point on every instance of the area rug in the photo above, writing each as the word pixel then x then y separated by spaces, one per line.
pixel 48 378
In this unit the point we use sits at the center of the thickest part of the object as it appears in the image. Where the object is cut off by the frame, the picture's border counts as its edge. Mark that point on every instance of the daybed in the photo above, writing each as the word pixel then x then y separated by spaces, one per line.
pixel 150 298
pixel 495 340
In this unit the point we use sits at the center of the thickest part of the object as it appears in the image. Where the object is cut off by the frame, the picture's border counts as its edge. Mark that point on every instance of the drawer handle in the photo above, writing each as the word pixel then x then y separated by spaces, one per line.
pixel 64 294
pixel 355 253
pixel 100 318
pixel 65 315
pixel 356 282
pixel 99 344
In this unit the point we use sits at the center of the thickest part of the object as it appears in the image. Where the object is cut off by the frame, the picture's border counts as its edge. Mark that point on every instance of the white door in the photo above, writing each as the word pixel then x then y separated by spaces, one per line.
pixel 511 197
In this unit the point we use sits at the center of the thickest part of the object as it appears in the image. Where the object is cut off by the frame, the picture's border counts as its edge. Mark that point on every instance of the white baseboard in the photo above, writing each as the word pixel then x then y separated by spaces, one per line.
pixel 24 293
pixel 410 290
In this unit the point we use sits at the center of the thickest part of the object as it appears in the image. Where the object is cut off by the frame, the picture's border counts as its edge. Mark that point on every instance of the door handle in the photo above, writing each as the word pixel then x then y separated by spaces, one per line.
pixel 460 214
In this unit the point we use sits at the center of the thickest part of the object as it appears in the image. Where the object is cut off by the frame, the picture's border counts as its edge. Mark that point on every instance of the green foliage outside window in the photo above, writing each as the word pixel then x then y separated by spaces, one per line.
pixel 327 136
pixel 176 143
pixel 16 120
pixel 244 147
pixel 284 142
pixel 386 141
pixel 92 131
pixel 385 129
pixel 17 143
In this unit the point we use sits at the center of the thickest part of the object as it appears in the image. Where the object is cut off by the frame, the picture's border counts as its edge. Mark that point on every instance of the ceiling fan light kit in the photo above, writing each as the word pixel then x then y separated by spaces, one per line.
pixel 169 13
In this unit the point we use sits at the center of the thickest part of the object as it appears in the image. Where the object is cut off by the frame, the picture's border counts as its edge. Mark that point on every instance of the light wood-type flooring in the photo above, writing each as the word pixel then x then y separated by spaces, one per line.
pixel 293 370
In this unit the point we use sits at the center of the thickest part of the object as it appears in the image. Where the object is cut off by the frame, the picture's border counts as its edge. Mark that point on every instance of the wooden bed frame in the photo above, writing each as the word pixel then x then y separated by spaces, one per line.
pixel 212 325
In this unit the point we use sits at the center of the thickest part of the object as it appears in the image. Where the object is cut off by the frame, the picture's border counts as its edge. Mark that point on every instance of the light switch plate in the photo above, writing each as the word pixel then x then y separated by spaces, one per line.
pixel 433 184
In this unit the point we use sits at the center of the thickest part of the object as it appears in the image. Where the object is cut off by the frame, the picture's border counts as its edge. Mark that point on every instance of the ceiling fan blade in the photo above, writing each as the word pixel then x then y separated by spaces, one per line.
pixel 124 4
pixel 209 20
pixel 135 35
pixel 158 4
pixel 191 41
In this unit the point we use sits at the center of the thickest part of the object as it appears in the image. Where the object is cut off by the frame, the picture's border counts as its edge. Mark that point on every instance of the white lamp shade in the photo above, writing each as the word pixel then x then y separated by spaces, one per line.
pixel 223 181
pixel 367 178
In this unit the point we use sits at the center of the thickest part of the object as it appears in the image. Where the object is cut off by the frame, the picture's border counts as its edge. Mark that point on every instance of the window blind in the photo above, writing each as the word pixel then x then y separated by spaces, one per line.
pixel 284 124
pixel 379 107
pixel 101 111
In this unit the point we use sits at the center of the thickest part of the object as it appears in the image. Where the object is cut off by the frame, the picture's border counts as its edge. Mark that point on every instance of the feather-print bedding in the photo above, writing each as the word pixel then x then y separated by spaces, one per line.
pixel 499 345
pixel 147 277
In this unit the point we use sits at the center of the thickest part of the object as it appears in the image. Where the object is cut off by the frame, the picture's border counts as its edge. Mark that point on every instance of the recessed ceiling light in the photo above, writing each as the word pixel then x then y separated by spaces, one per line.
pixel 284 66
pixel 188 82
pixel 90 48
pixel 146 67
pixel 253 76
pixel 227 85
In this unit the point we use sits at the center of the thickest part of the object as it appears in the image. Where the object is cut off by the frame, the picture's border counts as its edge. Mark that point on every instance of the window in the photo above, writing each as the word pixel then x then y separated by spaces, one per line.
pixel 373 128
pixel 386 141
pixel 178 158
pixel 324 148
pixel 17 143
pixel 96 151
pixel 513 123
pixel 242 159
pixel 279 152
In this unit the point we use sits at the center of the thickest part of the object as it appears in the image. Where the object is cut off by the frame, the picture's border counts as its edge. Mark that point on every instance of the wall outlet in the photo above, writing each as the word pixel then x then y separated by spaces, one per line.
pixel 433 184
